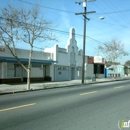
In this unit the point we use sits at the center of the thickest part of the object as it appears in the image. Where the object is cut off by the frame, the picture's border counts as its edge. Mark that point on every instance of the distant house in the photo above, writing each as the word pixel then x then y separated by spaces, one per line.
pixel 117 70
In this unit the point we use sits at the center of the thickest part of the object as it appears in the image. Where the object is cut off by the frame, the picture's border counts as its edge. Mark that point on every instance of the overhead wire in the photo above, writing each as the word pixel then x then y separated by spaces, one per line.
pixel 113 8
pixel 61 31
pixel 112 12
pixel 109 15
pixel 47 7
pixel 63 11
pixel 68 12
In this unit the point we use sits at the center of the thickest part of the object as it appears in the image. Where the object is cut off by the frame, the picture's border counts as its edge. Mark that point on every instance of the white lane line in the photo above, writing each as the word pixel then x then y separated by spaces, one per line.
pixel 118 87
pixel 87 93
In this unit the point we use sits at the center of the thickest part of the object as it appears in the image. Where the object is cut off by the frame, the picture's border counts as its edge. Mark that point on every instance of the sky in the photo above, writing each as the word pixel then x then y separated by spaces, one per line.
pixel 116 24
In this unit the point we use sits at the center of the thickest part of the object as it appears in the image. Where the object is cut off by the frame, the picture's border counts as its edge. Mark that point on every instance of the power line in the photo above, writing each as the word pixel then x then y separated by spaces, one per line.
pixel 114 7
pixel 107 13
pixel 61 31
pixel 76 35
pixel 47 7
pixel 110 16
pixel 113 12
pixel 110 23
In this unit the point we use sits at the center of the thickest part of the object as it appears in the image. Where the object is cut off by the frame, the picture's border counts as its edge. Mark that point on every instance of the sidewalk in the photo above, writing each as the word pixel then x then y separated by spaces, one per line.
pixel 13 88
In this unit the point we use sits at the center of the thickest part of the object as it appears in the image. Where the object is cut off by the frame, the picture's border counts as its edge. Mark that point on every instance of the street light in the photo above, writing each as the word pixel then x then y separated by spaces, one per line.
pixel 101 17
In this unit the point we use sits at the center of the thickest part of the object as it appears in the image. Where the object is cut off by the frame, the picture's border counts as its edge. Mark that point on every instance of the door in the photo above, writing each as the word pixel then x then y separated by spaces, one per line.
pixel 72 73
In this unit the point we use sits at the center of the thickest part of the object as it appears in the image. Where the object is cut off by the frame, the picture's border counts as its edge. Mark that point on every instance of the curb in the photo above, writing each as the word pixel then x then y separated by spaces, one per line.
pixel 73 85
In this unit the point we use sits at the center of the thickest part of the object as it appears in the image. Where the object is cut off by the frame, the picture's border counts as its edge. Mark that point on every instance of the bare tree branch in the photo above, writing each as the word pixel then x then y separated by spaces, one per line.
pixel 112 51
pixel 23 26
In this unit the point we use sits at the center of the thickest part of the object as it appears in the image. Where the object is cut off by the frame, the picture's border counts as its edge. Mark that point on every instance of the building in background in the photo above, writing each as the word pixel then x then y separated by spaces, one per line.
pixel 95 66
pixel 11 71
pixel 117 70
pixel 69 65
pixel 52 64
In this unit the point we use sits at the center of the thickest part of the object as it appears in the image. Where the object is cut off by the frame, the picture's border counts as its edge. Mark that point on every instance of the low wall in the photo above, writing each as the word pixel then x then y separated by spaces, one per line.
pixel 38 79
pixel 18 80
pixel 10 80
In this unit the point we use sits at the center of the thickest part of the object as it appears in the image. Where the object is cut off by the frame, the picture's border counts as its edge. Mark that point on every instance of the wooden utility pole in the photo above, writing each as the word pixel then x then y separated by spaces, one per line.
pixel 84 36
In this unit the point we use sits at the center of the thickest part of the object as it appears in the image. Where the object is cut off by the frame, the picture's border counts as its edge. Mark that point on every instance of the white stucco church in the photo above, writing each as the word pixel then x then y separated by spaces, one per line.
pixel 52 64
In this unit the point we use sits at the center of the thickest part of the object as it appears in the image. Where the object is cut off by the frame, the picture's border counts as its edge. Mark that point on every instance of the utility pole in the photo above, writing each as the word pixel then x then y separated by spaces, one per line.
pixel 84 42
pixel 84 33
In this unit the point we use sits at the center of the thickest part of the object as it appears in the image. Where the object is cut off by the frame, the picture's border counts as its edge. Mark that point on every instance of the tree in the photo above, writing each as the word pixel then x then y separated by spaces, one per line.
pixel 126 70
pixel 127 63
pixel 112 51
pixel 18 25
pixel 109 63
pixel 126 67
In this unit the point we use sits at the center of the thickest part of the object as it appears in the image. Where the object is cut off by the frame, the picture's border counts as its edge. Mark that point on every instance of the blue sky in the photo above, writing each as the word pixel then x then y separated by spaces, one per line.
pixel 62 12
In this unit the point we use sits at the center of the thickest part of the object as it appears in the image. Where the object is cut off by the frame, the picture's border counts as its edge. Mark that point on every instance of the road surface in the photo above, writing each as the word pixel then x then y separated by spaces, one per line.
pixel 89 107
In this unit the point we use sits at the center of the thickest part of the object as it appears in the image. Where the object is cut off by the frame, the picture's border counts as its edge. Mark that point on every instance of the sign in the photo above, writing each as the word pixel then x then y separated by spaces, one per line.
pixel 97 59
pixel 123 124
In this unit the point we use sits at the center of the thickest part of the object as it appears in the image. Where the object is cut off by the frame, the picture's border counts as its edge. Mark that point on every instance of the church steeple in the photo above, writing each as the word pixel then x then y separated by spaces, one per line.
pixel 72 33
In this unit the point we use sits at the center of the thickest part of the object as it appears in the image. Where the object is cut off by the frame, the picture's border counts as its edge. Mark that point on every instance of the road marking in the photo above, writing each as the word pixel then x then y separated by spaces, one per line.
pixel 88 93
pixel 118 87
pixel 12 108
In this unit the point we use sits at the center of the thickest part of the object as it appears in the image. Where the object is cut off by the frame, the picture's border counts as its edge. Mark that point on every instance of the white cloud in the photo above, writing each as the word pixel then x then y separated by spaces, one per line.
pixel 65 20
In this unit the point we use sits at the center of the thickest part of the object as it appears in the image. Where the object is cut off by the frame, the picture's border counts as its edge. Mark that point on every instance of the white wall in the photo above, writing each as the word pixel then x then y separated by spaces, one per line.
pixel 65 55
pixel 37 71
pixel 63 59
pixel 25 54
pixel 53 51
pixel 78 73
pixel 79 60
pixel 89 71
pixel 52 72
pixel 61 73
pixel 3 70
pixel 70 57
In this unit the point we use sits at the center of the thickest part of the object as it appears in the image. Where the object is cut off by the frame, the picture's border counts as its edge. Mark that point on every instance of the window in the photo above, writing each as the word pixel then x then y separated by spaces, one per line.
pixel 98 69
pixel 102 69
pixel 59 68
pixel 119 69
pixel 36 66
pixel 64 68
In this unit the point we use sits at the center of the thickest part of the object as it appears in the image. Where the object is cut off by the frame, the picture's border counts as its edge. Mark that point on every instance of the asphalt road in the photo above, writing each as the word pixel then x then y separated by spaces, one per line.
pixel 90 107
